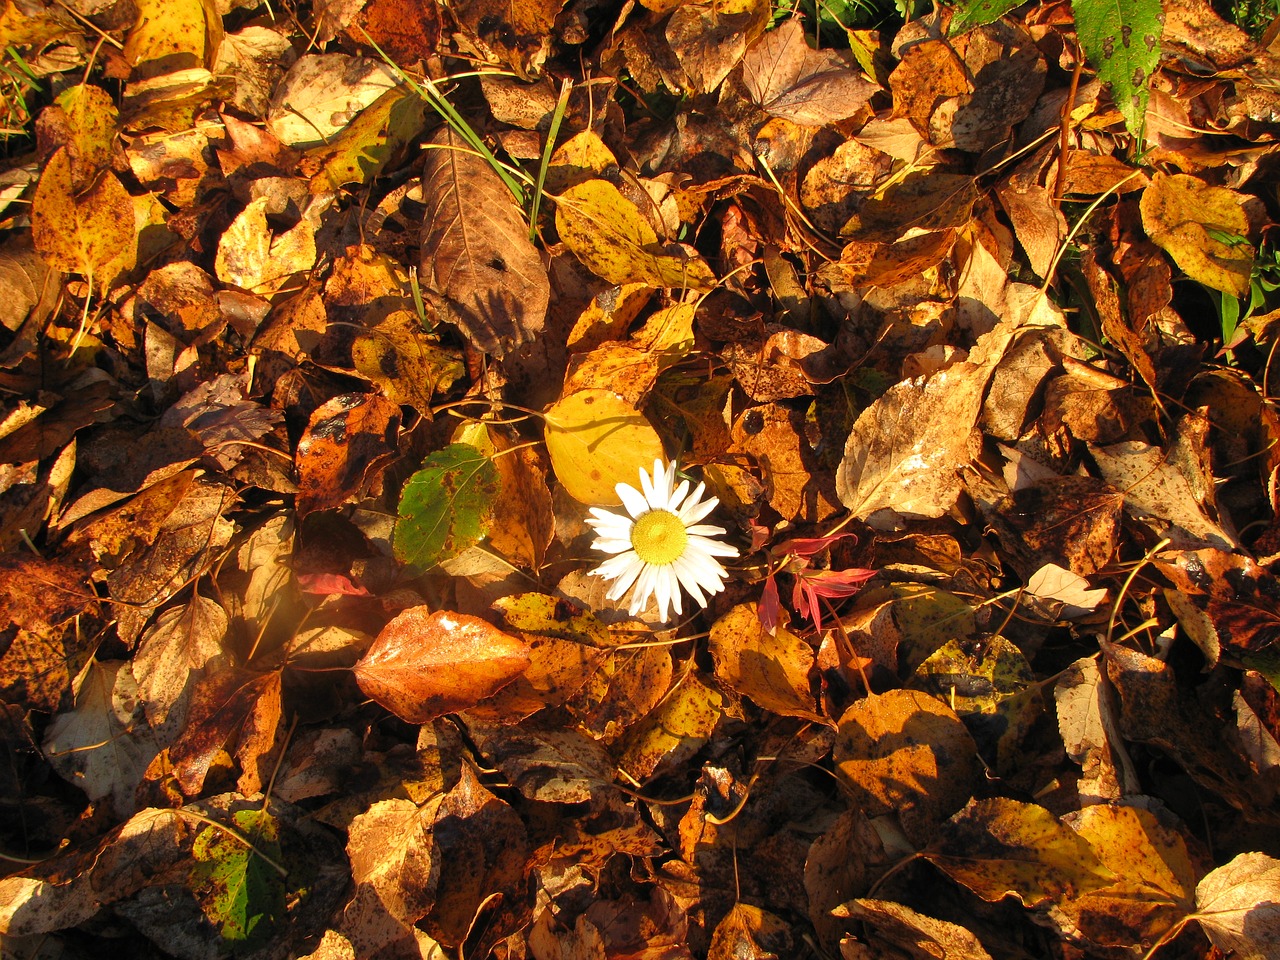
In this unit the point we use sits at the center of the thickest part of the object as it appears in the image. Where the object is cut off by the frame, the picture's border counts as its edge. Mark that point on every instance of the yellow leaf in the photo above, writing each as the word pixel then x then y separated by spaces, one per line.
pixel 772 670
pixel 597 440
pixel 675 731
pixel 997 847
pixel 581 157
pixel 173 35
pixel 1196 223
pixel 88 233
pixel 607 232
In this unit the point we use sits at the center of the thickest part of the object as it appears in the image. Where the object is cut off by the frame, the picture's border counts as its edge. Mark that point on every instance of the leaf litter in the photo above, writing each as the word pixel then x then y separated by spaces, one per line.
pixel 324 332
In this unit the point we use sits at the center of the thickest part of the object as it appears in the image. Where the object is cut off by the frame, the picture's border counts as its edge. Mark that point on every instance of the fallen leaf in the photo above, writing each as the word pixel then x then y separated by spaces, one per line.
pixel 1204 229
pixel 476 251
pixel 424 665
pixel 91 233
pixel 750 933
pixel 239 889
pixel 675 731
pixel 596 440
pixel 1000 847
pixel 1238 906
pixel 906 752
pixel 322 93
pixel 347 440
pixel 104 745
pixel 772 669
pixel 918 934
pixel 1123 42
pixel 607 232
pixel 445 506
pixel 788 79
pixel 905 450
pixel 173 35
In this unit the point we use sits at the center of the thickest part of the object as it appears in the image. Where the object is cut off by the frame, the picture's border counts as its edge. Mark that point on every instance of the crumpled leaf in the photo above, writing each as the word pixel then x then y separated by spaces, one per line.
pixel 476 251
pixel 424 665
pixel 788 79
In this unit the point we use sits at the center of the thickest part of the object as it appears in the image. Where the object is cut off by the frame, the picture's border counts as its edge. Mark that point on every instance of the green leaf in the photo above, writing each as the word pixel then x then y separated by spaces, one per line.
pixel 975 13
pixel 240 891
pixel 1121 38
pixel 445 505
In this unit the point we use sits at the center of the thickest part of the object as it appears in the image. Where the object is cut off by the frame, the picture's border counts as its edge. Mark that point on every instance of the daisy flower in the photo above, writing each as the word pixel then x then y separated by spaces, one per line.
pixel 660 544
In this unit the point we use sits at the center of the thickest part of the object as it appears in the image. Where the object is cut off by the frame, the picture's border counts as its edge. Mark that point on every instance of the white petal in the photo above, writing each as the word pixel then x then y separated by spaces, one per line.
pixel 704 530
pixel 713 548
pixel 611 546
pixel 623 570
pixel 704 570
pixel 643 589
pixel 667 577
pixel 647 485
pixel 692 511
pixel 664 585
pixel 689 581
pixel 637 503
pixel 674 498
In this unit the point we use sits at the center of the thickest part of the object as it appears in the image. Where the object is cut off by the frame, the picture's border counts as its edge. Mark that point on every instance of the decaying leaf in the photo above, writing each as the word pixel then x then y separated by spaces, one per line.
pixel 476 251
pixel 788 79
pixel 905 451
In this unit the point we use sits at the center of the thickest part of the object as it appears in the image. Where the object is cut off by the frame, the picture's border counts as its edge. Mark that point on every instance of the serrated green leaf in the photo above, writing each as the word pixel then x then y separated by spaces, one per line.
pixel 1121 38
pixel 238 890
pixel 975 13
pixel 444 508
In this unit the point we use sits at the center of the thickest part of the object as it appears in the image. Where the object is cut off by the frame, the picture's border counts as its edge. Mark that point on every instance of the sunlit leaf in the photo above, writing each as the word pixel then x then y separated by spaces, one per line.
pixel 444 507
pixel 597 440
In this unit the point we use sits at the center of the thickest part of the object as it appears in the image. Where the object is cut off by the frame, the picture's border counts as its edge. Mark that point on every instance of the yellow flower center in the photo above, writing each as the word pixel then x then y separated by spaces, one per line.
pixel 659 537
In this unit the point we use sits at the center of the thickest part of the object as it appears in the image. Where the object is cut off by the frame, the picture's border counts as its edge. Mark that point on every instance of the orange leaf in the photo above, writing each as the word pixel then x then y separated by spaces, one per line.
pixel 424 665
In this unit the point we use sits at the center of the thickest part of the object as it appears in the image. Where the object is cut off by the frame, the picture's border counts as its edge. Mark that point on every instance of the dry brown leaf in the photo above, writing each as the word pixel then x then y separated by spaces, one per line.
pixel 906 450
pixel 476 251
pixel 788 79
